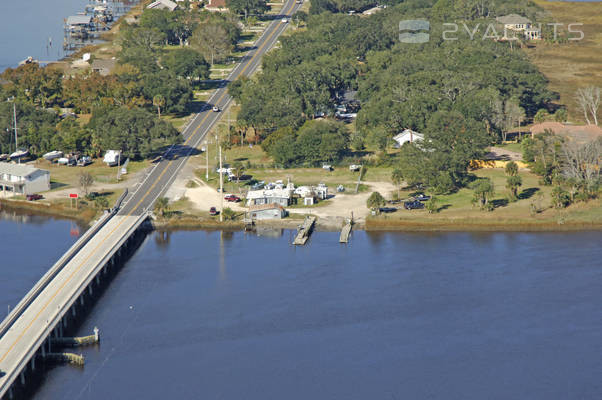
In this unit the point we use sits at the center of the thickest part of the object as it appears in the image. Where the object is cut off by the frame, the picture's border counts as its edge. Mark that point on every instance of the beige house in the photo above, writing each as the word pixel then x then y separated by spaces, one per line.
pixel 23 179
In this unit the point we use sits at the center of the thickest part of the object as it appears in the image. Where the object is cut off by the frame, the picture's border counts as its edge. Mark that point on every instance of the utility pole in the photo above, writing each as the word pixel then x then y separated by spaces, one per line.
pixel 221 185
pixel 207 159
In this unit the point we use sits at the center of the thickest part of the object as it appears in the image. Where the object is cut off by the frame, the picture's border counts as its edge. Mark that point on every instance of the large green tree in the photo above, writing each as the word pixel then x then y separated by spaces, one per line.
pixel 248 7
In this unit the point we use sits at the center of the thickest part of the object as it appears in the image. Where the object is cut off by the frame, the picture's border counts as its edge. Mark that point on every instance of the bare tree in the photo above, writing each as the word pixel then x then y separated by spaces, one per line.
pixel 85 181
pixel 589 100
pixel 582 162
pixel 211 40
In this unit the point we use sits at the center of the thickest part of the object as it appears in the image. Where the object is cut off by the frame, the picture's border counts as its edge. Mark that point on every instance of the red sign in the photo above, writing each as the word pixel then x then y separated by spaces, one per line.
pixel 73 195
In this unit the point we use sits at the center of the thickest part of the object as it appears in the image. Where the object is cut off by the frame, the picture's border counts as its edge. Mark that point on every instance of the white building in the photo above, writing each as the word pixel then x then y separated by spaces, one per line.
pixel 23 179
pixel 266 211
pixel 112 157
pixel 269 196
pixel 406 136
pixel 162 4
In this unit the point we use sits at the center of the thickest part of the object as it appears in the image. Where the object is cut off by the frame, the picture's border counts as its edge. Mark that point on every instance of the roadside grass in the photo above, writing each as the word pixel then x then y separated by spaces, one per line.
pixel 575 64
pixel 63 176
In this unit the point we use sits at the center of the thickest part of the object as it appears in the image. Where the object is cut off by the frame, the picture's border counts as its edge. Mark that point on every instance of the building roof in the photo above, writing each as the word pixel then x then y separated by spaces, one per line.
pixel 79 20
pixel 266 193
pixel 216 4
pixel 103 66
pixel 262 207
pixel 407 132
pixel 18 169
pixel 513 19
pixel 580 133
pixel 160 4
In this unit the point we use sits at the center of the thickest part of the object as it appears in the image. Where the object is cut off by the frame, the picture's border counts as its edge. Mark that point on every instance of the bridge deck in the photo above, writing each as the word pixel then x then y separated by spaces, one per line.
pixel 32 327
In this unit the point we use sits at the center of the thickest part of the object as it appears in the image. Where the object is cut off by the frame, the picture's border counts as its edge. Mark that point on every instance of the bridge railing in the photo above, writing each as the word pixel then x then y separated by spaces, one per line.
pixel 75 293
pixel 56 268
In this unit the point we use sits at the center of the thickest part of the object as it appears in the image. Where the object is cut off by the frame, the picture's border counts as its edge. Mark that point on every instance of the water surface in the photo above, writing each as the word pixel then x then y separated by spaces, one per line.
pixel 391 316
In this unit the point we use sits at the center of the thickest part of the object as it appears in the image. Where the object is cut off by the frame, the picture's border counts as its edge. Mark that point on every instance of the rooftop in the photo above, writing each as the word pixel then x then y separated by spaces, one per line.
pixel 163 4
pixel 513 19
pixel 17 169
pixel 79 20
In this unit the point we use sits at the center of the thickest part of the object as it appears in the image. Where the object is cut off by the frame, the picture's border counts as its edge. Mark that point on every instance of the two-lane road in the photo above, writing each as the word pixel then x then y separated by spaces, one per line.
pixel 164 172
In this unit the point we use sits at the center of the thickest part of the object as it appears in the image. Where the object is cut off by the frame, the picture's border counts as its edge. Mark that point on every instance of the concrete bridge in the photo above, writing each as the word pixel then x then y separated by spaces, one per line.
pixel 54 302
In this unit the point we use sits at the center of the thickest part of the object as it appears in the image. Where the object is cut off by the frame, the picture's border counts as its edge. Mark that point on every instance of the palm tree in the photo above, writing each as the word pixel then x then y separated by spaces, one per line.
pixel 159 101
pixel 162 205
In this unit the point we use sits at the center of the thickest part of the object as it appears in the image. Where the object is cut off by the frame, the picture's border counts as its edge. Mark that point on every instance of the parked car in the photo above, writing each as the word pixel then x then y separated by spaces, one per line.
pixel 285 20
pixel 413 205
pixel 387 209
pixel 34 197
pixel 327 167
pixel 213 211
pixel 232 198
pixel 354 167
pixel 422 197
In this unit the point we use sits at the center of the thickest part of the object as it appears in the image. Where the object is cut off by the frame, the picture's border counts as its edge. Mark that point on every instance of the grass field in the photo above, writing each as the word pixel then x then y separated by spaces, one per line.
pixel 576 64
pixel 457 208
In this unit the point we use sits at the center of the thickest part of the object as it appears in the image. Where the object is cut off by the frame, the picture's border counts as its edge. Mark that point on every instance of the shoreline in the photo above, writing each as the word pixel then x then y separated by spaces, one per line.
pixel 191 223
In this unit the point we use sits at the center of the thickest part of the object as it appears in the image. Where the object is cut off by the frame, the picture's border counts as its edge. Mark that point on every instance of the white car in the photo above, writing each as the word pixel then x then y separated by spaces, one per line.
pixel 327 167
pixel 354 167
pixel 215 109
pixel 285 20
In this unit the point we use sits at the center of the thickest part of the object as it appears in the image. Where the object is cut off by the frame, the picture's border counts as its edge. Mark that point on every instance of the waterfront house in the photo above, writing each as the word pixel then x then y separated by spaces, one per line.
pixel 23 179
pixel 162 5
pixel 266 211
pixel 406 136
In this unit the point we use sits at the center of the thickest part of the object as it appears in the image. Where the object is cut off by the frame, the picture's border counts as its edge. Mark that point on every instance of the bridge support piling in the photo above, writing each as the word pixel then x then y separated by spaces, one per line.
pixel 90 290
pixel 97 280
pixel 81 299
pixel 10 393
pixel 43 349
pixel 22 375
pixel 73 312
pixel 33 363
pixel 60 330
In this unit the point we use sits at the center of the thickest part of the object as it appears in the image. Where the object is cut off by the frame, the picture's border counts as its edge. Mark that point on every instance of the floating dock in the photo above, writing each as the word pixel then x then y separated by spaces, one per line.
pixel 345 232
pixel 304 230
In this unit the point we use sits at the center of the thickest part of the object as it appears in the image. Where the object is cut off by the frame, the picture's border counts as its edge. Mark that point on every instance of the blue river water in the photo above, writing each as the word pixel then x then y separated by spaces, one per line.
pixel 213 315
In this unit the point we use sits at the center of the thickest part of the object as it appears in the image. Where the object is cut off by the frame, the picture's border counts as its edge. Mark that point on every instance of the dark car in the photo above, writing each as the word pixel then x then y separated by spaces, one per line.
pixel 413 205
pixel 213 211
pixel 34 197
pixel 423 197
pixel 232 198
pixel 387 209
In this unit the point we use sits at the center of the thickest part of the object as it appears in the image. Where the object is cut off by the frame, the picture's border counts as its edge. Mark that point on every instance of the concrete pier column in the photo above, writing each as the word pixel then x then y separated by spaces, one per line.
pixel 73 312
pixel 33 363
pixel 97 280
pixel 10 393
pixel 43 349
pixel 22 378
pixel 81 299
pixel 60 330
pixel 90 290
pixel 49 345
pixel 64 321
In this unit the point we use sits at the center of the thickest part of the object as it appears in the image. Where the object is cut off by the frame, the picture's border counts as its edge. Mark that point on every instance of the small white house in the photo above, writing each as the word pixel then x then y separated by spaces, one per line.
pixel 267 211
pixel 23 179
pixel 406 136
pixel 112 157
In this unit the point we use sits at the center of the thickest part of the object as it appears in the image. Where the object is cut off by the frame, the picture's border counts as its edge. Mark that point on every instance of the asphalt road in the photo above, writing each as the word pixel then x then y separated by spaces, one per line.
pixel 164 172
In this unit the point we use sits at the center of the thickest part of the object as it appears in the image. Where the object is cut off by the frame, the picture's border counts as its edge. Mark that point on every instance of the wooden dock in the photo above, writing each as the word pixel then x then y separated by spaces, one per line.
pixel 345 232
pixel 304 230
